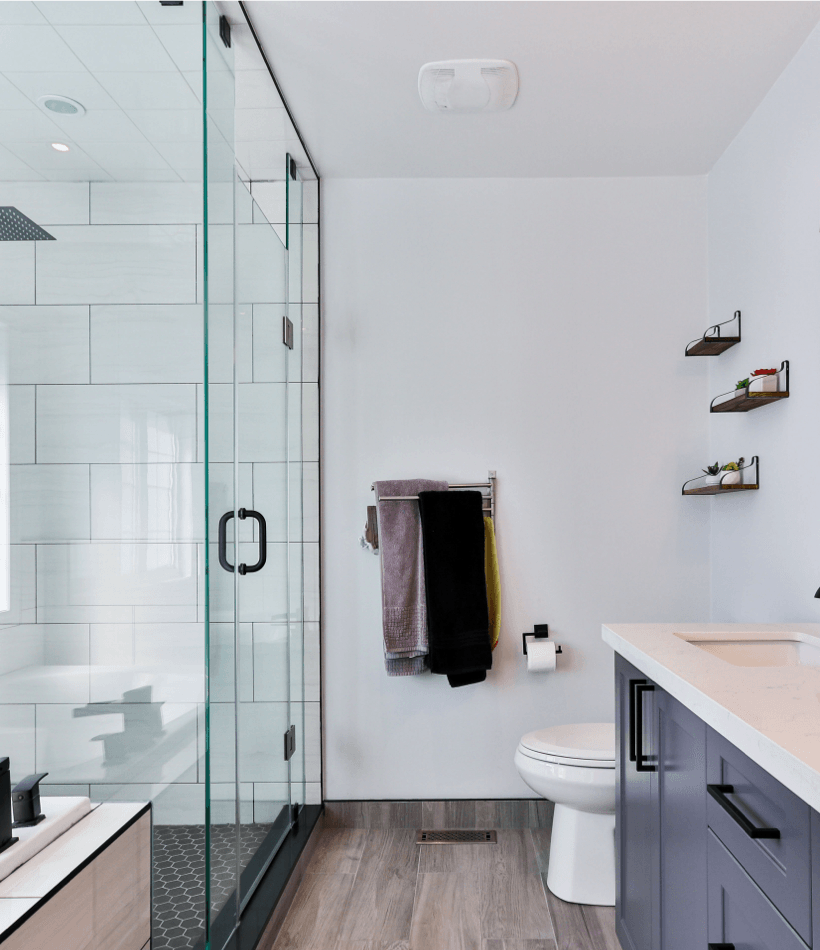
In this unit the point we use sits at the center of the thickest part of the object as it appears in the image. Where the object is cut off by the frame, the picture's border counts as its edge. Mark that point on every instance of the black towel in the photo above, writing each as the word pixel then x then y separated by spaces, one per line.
pixel 452 528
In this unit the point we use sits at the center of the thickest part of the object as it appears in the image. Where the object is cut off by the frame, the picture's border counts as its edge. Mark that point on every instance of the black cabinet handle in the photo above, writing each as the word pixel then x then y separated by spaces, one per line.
pixel 719 793
pixel 263 541
pixel 721 946
pixel 641 764
pixel 633 756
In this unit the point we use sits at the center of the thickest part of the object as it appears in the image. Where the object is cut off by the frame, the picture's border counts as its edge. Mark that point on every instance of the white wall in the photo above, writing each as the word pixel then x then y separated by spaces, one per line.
pixel 764 215
pixel 535 327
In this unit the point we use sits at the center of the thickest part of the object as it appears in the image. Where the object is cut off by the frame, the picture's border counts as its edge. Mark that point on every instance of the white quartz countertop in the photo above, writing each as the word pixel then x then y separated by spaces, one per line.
pixel 772 713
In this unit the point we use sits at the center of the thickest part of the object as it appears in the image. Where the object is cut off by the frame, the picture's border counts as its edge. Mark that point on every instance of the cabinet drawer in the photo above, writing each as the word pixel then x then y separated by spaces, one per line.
pixel 740 915
pixel 781 866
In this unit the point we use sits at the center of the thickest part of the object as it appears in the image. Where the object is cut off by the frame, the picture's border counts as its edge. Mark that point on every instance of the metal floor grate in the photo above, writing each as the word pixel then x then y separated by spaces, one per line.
pixel 15 226
pixel 456 837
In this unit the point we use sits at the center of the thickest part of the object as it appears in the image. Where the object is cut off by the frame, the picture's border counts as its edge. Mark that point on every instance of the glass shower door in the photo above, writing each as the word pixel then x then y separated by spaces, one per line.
pixel 253 436
pixel 261 421
pixel 249 677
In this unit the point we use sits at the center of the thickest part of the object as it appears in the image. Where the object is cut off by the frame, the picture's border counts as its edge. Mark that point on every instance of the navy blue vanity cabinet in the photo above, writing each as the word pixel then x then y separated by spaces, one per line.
pixel 680 745
pixel 740 914
pixel 635 817
pixel 766 827
pixel 712 851
pixel 815 877
pixel 660 819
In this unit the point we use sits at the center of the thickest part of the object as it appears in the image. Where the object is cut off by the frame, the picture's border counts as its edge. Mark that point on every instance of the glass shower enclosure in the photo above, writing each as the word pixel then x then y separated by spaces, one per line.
pixel 159 439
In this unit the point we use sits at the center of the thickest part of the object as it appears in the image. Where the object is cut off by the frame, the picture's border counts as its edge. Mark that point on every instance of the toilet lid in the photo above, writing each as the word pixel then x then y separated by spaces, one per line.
pixel 593 741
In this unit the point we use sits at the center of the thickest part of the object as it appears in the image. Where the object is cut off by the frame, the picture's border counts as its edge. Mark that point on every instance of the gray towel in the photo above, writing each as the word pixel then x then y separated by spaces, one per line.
pixel 404 604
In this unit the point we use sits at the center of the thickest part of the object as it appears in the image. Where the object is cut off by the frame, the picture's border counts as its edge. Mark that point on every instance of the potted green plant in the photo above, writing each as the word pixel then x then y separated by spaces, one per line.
pixel 742 384
pixel 712 474
pixel 763 381
pixel 730 473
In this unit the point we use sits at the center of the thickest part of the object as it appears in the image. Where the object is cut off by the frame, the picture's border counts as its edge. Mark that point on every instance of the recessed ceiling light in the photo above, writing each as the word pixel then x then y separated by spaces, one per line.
pixel 60 147
pixel 62 105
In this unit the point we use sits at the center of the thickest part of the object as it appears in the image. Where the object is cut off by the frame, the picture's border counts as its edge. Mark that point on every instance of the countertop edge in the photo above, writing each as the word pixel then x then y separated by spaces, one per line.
pixel 794 774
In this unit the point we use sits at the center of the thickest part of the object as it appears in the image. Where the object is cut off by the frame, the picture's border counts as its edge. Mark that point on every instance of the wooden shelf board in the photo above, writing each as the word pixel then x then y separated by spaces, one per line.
pixel 745 403
pixel 717 490
pixel 711 347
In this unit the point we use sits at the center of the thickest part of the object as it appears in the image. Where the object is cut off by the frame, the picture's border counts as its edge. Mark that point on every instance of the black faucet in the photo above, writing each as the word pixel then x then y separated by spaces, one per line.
pixel 6 839
pixel 25 801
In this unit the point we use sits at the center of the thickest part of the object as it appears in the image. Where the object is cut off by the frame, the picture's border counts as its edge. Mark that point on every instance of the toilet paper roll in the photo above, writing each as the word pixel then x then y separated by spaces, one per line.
pixel 540 656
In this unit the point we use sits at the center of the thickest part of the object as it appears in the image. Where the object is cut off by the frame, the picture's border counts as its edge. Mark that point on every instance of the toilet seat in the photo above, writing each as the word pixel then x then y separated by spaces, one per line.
pixel 589 745
pixel 565 761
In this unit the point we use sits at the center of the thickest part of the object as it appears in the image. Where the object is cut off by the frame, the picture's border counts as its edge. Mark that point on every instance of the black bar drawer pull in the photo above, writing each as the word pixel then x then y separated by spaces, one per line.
pixel 263 541
pixel 641 763
pixel 633 756
pixel 719 793
pixel 721 946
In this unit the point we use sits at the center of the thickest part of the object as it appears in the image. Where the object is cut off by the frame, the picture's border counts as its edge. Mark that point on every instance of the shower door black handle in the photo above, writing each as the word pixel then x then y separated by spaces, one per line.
pixel 243 513
pixel 223 542
pixel 263 541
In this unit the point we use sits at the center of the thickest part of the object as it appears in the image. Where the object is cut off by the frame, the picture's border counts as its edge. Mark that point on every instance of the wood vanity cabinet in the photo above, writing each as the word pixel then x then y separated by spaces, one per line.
pixel 711 850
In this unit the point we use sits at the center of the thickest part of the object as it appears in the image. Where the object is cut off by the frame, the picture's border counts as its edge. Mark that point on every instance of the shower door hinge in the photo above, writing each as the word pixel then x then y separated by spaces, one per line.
pixel 290 742
pixel 225 31
pixel 287 333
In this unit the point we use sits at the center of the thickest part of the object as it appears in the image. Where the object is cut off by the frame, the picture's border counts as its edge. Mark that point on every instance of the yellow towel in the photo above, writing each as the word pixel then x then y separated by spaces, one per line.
pixel 493 581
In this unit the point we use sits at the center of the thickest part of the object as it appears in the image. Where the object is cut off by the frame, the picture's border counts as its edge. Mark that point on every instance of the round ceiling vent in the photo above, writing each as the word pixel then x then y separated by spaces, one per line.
pixel 62 105
pixel 468 85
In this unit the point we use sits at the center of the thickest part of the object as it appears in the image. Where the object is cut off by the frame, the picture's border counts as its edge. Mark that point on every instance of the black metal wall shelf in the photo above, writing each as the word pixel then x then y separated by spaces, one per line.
pixel 725 485
pixel 713 342
pixel 753 397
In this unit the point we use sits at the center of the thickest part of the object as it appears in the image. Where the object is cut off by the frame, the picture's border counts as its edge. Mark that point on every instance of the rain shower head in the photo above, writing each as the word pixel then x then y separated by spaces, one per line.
pixel 15 226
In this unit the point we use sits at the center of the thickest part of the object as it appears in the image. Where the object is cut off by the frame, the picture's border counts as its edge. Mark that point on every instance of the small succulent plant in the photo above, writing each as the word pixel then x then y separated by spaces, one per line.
pixel 734 466
pixel 712 469
pixel 742 383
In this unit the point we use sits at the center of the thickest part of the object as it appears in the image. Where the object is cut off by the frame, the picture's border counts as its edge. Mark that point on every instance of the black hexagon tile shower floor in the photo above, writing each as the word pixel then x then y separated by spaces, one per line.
pixel 179 877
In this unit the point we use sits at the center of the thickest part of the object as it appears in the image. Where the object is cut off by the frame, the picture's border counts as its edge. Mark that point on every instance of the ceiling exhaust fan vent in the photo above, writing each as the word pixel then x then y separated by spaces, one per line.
pixel 468 85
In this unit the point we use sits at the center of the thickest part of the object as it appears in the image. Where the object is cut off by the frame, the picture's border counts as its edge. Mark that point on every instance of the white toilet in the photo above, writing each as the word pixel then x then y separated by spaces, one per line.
pixel 574 766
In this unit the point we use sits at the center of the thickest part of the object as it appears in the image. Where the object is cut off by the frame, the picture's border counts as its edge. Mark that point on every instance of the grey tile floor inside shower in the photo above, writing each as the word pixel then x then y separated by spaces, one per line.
pixel 179 878
pixel 373 888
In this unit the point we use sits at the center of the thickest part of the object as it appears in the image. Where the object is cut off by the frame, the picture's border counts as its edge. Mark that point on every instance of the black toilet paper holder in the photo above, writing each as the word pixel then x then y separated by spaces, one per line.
pixel 540 631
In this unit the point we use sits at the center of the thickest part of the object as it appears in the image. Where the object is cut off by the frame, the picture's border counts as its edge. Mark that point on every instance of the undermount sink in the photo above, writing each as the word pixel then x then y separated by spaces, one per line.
pixel 783 652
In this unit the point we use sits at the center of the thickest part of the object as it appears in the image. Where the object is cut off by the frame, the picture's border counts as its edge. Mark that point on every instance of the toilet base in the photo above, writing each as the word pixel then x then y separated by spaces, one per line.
pixel 582 857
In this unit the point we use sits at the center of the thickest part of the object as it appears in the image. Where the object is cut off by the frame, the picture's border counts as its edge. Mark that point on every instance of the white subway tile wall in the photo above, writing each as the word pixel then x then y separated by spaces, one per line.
pixel 104 331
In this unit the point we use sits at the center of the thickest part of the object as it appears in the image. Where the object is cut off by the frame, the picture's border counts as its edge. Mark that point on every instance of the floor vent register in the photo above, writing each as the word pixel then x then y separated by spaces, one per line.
pixel 457 837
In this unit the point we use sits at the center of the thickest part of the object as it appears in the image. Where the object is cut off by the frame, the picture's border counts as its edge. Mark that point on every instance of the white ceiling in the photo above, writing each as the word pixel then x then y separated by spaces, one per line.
pixel 607 88
pixel 137 69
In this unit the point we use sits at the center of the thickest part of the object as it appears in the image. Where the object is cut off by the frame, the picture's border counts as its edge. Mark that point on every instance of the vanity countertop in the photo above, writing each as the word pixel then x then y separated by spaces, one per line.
pixel 772 713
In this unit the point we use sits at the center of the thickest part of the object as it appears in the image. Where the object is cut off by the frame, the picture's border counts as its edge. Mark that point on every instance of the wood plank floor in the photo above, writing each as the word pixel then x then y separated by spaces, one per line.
pixel 376 889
